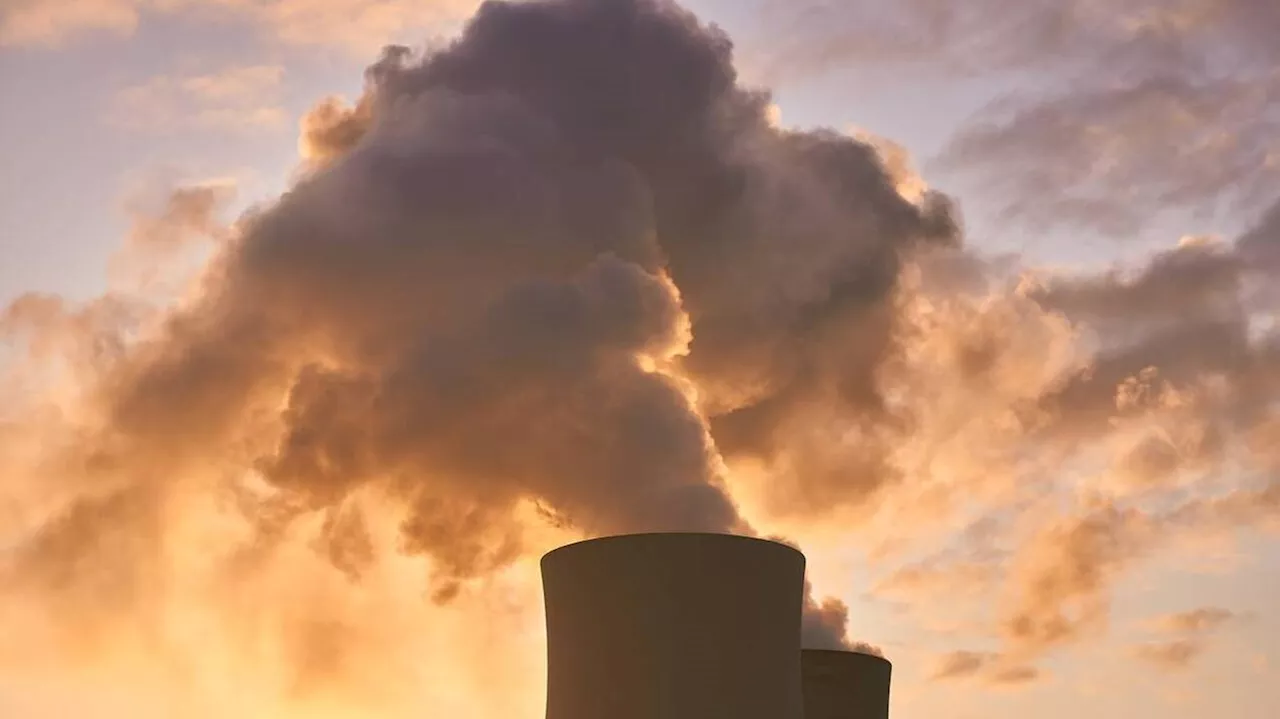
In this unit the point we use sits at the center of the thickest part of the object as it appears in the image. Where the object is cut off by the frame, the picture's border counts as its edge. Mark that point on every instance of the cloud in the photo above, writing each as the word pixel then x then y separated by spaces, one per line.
pixel 1174 655
pixel 188 212
pixel 1179 654
pixel 242 98
pixel 824 624
pixel 1196 621
pixel 1097 157
pixel 44 22
pixel 1016 676
pixel 1084 136
pixel 187 220
pixel 1085 422
pixel 1133 419
pixel 360 26
pixel 991 668
pixel 331 128
pixel 1063 572
pixel 929 582
pixel 962 664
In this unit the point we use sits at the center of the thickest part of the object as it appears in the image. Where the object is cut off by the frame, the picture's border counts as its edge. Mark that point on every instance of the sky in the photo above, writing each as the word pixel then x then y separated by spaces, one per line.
pixel 311 348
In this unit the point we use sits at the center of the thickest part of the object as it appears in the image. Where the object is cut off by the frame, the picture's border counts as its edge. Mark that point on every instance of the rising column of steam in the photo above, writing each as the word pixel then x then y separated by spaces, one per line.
pixel 498 282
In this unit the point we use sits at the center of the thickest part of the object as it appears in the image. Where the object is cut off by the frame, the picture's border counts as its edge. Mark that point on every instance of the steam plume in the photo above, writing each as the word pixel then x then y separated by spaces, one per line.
pixel 508 263
pixel 566 277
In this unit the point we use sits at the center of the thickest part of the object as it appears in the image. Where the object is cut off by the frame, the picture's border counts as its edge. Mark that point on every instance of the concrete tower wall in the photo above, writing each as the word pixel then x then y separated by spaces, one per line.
pixel 673 626
pixel 845 685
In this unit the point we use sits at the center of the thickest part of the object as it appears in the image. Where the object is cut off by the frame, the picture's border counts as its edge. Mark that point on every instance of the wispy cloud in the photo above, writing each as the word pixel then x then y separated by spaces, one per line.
pixel 358 25
pixel 934 580
pixel 1195 627
pixel 1125 110
pixel 1196 621
pixel 46 22
pixel 961 664
pixel 1103 156
pixel 1173 655
pixel 238 98
pixel 189 217
pixel 991 668
pixel 1061 577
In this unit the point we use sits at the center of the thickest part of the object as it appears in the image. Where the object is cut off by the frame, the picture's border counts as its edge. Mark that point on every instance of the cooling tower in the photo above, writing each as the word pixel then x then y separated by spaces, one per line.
pixel 845 685
pixel 673 626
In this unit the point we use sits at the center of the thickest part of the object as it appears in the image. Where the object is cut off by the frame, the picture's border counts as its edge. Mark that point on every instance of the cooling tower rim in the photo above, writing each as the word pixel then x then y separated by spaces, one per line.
pixel 848 655
pixel 618 539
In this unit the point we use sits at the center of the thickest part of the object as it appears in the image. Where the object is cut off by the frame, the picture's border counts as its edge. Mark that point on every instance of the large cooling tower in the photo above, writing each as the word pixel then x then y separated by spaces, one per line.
pixel 673 626
pixel 845 685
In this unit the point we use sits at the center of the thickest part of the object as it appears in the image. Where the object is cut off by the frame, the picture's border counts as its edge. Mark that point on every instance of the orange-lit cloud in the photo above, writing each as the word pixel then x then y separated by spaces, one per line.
pixel 1172 655
pixel 989 667
pixel 1062 575
pixel 962 664
pixel 331 128
pixel 360 26
pixel 357 25
pixel 24 22
pixel 1195 627
pixel 1195 621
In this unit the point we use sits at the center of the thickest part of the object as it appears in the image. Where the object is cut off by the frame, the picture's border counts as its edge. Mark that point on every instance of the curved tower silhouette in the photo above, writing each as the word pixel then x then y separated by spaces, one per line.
pixel 673 626
pixel 845 685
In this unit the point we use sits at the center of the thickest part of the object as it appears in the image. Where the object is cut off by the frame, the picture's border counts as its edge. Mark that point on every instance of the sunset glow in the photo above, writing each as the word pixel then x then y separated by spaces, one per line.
pixel 321 320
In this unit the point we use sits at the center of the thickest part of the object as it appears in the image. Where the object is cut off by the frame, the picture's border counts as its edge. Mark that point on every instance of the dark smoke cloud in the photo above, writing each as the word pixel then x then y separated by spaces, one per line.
pixel 785 246
pixel 823 625
pixel 482 293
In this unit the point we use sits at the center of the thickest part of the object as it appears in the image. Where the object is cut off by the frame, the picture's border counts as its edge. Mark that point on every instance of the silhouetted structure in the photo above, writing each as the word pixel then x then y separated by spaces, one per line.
pixel 674 626
pixel 845 685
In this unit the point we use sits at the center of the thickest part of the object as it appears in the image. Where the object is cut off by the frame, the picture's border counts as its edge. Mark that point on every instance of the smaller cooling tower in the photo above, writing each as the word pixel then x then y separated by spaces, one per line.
pixel 673 626
pixel 845 685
